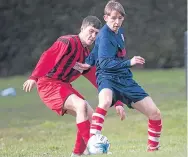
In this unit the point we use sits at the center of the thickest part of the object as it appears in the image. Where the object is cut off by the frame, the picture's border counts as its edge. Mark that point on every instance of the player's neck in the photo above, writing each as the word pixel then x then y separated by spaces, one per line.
pixel 82 41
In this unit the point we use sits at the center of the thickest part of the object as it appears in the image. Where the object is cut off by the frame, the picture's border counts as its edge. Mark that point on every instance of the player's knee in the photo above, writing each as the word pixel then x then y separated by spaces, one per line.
pixel 105 104
pixel 81 107
pixel 155 114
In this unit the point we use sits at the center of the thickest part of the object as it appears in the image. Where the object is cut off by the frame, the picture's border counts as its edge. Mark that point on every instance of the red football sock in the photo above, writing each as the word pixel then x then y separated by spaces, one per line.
pixel 80 145
pixel 97 121
pixel 154 132
pixel 83 128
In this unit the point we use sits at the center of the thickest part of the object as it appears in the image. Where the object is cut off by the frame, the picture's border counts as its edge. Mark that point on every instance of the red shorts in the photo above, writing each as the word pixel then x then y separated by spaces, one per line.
pixel 54 93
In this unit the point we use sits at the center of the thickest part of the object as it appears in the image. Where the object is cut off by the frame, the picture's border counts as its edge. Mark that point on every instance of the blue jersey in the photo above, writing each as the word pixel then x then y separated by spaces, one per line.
pixel 109 54
pixel 113 70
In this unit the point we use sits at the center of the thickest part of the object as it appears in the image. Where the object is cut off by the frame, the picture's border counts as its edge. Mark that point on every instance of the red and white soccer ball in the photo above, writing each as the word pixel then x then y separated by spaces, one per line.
pixel 98 144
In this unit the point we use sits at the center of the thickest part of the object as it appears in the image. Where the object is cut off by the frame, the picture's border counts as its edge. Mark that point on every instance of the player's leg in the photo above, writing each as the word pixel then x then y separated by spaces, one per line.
pixel 90 111
pixel 83 113
pixel 60 97
pixel 80 146
pixel 105 101
pixel 148 108
pixel 144 104
pixel 76 102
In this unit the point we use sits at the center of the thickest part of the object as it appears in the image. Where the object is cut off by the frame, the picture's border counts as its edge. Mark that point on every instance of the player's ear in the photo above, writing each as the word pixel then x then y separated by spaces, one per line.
pixel 105 17
pixel 81 29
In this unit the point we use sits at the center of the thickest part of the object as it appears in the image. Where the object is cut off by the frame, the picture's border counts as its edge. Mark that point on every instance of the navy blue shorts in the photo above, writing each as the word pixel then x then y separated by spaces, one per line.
pixel 124 89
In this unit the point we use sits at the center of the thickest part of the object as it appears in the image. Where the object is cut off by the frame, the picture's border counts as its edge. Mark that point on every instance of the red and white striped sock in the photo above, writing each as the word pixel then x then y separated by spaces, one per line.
pixel 97 121
pixel 154 132
pixel 80 145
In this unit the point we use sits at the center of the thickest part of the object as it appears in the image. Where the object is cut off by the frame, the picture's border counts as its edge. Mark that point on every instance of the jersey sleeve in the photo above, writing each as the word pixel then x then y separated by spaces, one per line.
pixel 107 56
pixel 49 59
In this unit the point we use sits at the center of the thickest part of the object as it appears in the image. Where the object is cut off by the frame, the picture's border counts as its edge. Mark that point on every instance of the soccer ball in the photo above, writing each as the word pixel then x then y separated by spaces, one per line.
pixel 98 144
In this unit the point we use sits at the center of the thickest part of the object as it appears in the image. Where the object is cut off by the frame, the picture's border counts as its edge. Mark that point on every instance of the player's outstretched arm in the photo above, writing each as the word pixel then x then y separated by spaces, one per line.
pixel 28 85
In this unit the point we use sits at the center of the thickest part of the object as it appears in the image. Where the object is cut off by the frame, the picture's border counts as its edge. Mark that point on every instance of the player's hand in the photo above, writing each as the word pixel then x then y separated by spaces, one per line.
pixel 121 112
pixel 137 60
pixel 81 67
pixel 28 85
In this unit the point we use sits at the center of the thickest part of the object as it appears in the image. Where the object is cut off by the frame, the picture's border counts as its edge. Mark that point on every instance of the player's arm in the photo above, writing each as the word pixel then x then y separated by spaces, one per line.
pixel 46 62
pixel 107 56
pixel 108 60
pixel 89 62
pixel 49 59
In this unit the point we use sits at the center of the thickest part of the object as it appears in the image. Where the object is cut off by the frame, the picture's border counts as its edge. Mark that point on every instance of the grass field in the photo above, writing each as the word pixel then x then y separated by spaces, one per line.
pixel 29 129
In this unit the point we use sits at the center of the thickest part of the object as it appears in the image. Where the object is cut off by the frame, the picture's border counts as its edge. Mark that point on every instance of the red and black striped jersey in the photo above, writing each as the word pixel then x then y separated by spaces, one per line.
pixel 58 61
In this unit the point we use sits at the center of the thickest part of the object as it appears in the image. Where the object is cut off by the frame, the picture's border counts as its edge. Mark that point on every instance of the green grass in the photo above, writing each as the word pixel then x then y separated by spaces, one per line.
pixel 29 129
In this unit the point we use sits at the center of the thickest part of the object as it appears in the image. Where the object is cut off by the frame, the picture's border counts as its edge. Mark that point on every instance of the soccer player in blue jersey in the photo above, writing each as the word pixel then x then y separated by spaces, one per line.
pixel 114 78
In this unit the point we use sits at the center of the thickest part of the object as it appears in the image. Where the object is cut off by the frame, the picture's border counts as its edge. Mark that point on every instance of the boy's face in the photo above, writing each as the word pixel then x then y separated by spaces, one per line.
pixel 89 34
pixel 114 20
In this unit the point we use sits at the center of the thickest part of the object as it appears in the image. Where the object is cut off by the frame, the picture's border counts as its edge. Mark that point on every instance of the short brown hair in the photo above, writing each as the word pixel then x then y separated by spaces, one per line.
pixel 91 21
pixel 114 5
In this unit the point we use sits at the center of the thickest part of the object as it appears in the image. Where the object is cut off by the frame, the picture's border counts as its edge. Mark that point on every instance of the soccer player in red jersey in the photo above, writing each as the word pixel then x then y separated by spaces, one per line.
pixel 55 71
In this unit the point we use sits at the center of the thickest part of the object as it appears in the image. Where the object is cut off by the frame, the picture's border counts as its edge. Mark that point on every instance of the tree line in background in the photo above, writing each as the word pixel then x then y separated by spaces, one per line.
pixel 154 29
